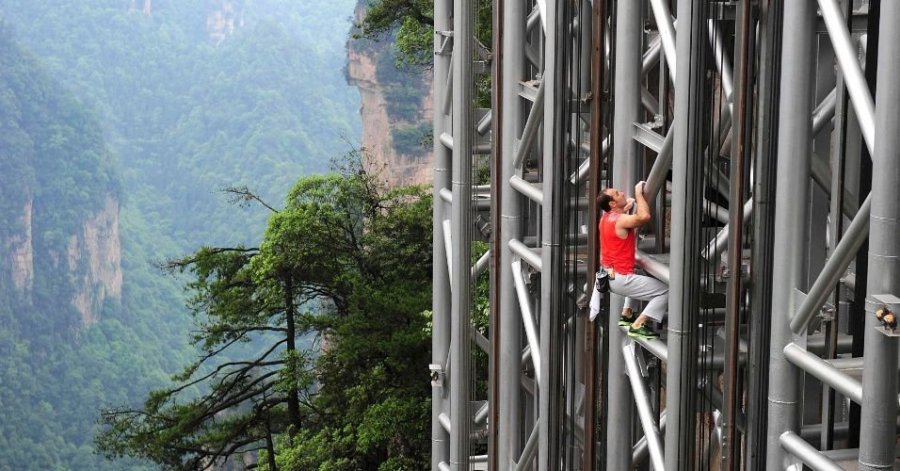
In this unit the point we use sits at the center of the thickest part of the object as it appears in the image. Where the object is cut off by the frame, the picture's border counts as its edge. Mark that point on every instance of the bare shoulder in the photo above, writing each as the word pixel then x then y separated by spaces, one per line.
pixel 629 221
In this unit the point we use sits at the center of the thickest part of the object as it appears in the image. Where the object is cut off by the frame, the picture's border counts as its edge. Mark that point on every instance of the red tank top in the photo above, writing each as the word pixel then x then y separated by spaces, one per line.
pixel 615 252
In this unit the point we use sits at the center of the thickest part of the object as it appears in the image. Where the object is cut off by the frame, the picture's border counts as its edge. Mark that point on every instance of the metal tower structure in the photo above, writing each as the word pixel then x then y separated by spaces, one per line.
pixel 768 132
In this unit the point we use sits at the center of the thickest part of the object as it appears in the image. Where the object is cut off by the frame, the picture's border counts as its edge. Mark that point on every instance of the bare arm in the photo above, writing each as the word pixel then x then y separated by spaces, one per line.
pixel 640 218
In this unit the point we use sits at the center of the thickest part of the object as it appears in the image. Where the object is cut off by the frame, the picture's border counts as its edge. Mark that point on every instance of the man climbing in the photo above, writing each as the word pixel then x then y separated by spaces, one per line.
pixel 618 242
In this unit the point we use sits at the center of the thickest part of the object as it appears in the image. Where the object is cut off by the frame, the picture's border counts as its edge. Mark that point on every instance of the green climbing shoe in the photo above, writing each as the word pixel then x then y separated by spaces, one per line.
pixel 642 332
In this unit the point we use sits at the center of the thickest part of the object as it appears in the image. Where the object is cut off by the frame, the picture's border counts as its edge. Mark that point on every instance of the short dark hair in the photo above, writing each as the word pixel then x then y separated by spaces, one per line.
pixel 603 200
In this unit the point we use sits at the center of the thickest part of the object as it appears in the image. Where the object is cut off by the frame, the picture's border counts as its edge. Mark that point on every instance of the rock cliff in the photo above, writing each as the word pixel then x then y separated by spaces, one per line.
pixel 94 253
pixel 91 262
pixel 398 165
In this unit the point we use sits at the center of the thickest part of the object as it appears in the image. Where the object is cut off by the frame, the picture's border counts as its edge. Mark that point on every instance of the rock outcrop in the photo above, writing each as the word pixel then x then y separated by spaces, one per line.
pixel 92 260
pixel 95 255
pixel 396 167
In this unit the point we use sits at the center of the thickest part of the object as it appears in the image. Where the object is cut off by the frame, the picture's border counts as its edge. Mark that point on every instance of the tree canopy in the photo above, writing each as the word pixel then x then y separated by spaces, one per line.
pixel 345 263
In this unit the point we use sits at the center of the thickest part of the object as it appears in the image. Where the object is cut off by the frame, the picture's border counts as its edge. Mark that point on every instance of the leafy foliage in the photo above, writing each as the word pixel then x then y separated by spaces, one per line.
pixel 189 112
pixel 53 373
pixel 153 111
pixel 346 260
pixel 411 22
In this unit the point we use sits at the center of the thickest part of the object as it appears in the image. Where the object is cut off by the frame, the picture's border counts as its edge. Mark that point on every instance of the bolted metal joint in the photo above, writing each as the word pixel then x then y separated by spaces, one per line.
pixel 887 308
pixel 437 375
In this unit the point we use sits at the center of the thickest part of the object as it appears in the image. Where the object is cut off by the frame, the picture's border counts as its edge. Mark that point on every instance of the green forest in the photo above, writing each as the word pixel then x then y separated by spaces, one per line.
pixel 344 260
pixel 272 305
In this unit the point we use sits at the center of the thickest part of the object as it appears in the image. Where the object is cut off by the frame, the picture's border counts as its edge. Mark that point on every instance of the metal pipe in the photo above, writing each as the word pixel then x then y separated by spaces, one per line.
pixel 534 17
pixel 825 372
pixel 444 421
pixel 640 451
pixel 655 347
pixel 740 151
pixel 648 101
pixel 824 112
pixel 531 191
pixel 791 193
pixel 681 371
pixel 480 340
pixel 657 178
pixel 769 47
pixel 642 401
pixel 512 64
pixel 448 84
pixel 527 254
pixel 716 245
pixel 447 140
pixel 877 436
pixel 528 451
pixel 721 58
pixel 715 211
pixel 810 456
pixel 651 55
pixel 584 168
pixel 551 230
pixel 531 333
pixel 440 301
pixel 485 123
pixel 481 264
pixel 652 266
pixel 542 12
pixel 446 195
pixel 532 124
pixel 626 89
pixel 666 32
pixel 591 343
pixel 448 252
pixel 482 413
pixel 821 174
pixel 848 59
pixel 461 221
pixel 834 268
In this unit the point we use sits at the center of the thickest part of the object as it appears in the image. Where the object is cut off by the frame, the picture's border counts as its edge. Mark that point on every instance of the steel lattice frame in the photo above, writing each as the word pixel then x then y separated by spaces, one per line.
pixel 753 160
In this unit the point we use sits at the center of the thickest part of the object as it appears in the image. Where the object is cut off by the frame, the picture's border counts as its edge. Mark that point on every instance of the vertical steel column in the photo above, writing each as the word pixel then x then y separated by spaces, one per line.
pixel 794 135
pixel 879 406
pixel 684 287
pixel 739 151
pixel 598 72
pixel 498 248
pixel 549 412
pixel 512 64
pixel 769 48
pixel 440 303
pixel 463 139
pixel 627 93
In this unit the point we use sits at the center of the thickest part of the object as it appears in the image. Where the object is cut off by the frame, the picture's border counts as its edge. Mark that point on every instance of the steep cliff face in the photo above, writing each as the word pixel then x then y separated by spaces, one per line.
pixel 92 260
pixel 21 252
pixel 95 255
pixel 60 257
pixel 366 69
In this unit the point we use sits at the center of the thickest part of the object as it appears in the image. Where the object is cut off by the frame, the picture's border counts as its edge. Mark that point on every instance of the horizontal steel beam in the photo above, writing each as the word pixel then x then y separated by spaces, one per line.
pixel 531 191
pixel 824 372
pixel 810 456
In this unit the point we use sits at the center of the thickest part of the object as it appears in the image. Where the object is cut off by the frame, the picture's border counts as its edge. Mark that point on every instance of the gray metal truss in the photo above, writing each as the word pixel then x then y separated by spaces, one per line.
pixel 752 123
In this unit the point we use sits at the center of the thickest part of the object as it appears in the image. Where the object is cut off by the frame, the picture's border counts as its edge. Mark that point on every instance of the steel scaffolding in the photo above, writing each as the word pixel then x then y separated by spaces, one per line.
pixel 768 132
